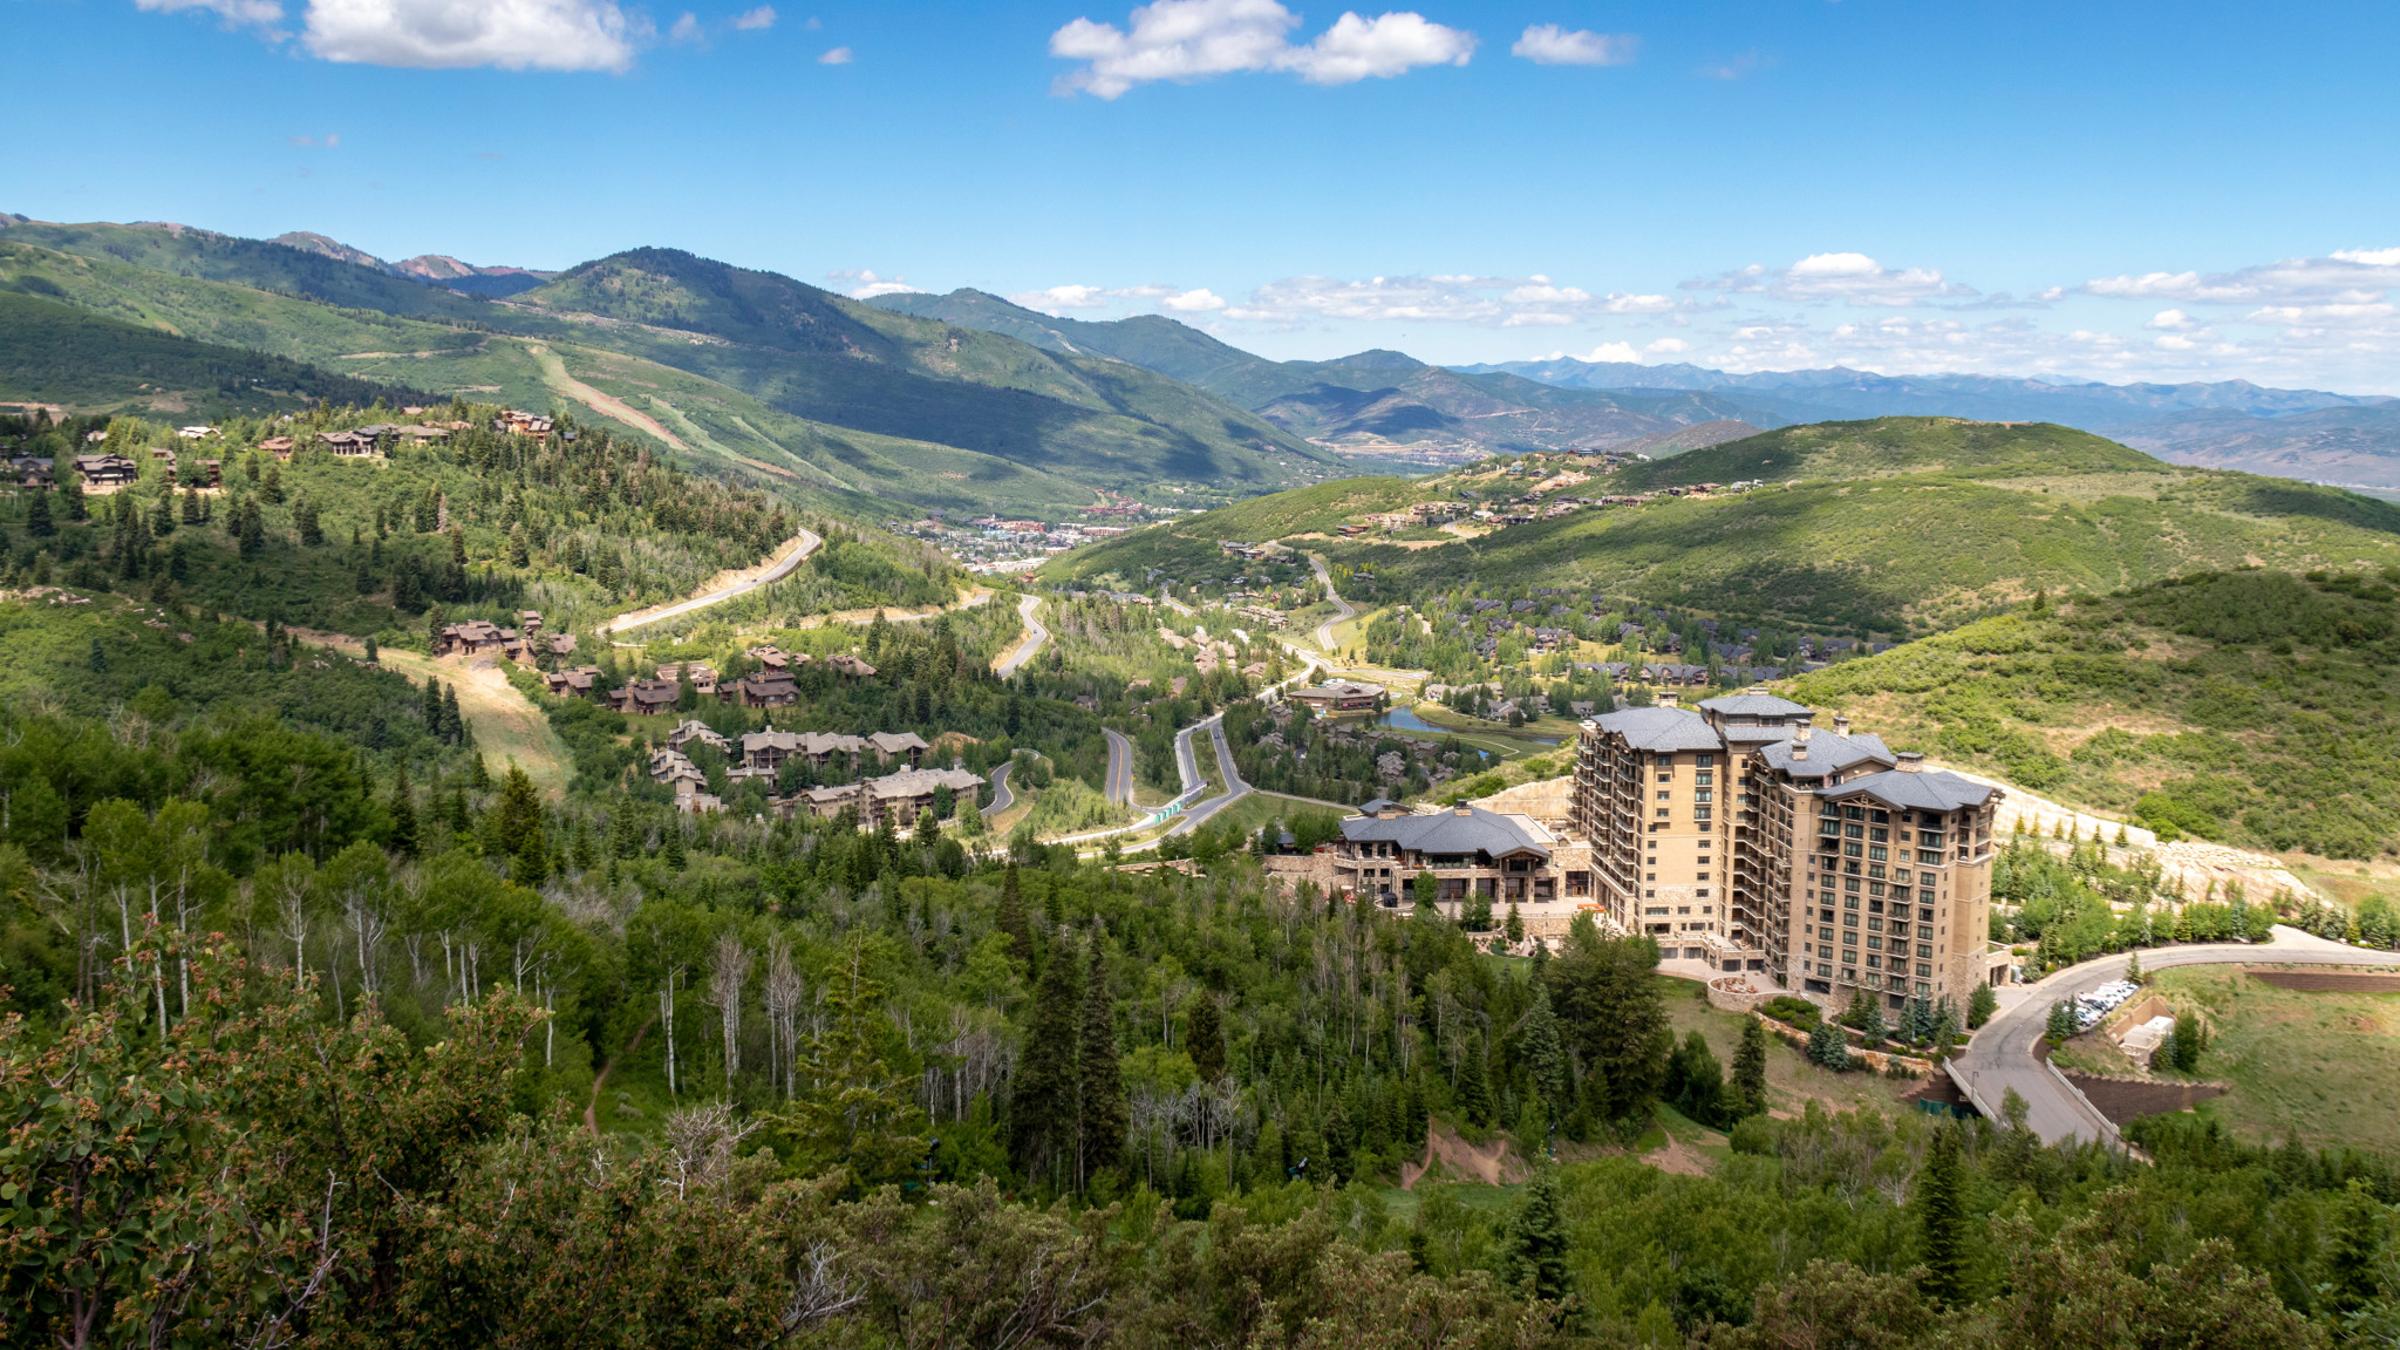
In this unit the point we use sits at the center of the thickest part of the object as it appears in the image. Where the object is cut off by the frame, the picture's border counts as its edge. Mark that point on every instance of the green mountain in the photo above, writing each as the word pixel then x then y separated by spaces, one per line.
pixel 831 359
pixel 1368 401
pixel 539 360
pixel 755 372
pixel 52 352
pixel 2249 706
pixel 1898 526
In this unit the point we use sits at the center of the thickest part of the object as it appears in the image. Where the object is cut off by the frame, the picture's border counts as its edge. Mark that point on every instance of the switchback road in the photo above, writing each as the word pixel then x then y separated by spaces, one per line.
pixel 1119 787
pixel 1029 646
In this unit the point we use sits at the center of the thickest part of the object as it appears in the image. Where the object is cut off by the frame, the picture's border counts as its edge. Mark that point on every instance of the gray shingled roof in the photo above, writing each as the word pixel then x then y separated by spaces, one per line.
pixel 1662 729
pixel 1478 831
pixel 1754 705
pixel 1827 753
pixel 1925 790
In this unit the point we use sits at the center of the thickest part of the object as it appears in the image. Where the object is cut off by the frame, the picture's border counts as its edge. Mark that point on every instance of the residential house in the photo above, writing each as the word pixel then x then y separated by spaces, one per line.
pixel 763 689
pixel 1341 696
pixel 106 473
pixel 647 698
pixel 1505 858
pixel 702 675
pixel 579 682
pixel 692 730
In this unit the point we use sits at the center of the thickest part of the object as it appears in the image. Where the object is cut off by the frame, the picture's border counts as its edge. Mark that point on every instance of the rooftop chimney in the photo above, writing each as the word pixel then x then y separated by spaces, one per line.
pixel 1841 724
pixel 1462 809
pixel 1910 761
pixel 1668 698
pixel 1800 743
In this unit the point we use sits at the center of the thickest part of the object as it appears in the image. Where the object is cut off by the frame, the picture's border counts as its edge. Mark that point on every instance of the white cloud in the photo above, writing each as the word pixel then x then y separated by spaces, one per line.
pixel 509 34
pixel 2369 257
pixel 1547 44
pixel 235 13
pixel 1611 351
pixel 331 140
pixel 838 56
pixel 2169 320
pixel 1185 40
pixel 756 20
pixel 1668 346
pixel 1843 278
pixel 1055 298
pixel 1200 301
pixel 865 284
pixel 1740 67
pixel 1537 318
pixel 1637 304
pixel 686 28
pixel 2349 313
pixel 2349 276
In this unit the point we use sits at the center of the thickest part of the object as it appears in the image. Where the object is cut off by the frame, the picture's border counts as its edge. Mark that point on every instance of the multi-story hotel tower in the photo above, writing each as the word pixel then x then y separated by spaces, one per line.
pixel 1738 835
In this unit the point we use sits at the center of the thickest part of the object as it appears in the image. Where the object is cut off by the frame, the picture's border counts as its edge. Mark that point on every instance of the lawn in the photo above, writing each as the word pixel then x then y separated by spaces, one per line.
pixel 2320 1067
pixel 1792 1081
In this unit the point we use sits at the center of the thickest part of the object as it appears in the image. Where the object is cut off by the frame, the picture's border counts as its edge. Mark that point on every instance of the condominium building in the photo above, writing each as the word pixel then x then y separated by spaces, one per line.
pixel 1739 835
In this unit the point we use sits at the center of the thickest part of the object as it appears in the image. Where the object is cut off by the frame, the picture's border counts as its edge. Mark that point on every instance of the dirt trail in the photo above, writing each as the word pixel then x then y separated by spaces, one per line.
pixel 591 1108
pixel 554 374
pixel 1493 1164
pixel 506 724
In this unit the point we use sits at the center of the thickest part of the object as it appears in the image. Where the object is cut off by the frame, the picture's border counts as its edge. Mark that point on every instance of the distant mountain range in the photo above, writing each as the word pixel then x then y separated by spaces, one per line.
pixel 1373 403
pixel 434 269
pixel 2346 439
pixel 1385 401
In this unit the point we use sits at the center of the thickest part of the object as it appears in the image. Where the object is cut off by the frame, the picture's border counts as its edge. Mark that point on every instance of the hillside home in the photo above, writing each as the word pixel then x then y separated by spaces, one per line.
pixel 702 675
pixel 692 731
pixel 106 473
pixel 763 689
pixel 1470 852
pixel 647 698
pixel 580 682
pixel 278 446
pixel 898 797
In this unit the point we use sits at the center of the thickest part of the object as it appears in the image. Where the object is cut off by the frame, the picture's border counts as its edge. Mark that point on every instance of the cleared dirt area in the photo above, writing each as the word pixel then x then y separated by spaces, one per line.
pixel 2123 1101
pixel 1493 1164
pixel 506 724
pixel 554 374
pixel 2330 981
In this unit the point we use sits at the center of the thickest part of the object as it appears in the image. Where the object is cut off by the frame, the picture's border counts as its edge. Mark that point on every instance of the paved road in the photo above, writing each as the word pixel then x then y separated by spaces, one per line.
pixel 1036 637
pixel 1228 777
pixel 1002 797
pixel 794 554
pixel 1120 767
pixel 2002 1055
pixel 1347 611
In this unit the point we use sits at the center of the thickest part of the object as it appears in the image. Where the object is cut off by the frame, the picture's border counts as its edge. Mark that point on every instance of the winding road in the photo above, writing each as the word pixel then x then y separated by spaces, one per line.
pixel 1002 797
pixel 1036 637
pixel 2005 1054
pixel 1347 611
pixel 1119 786
pixel 775 569
pixel 1228 777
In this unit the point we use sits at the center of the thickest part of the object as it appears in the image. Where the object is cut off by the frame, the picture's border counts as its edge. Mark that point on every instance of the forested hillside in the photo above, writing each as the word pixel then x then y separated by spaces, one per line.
pixel 2251 706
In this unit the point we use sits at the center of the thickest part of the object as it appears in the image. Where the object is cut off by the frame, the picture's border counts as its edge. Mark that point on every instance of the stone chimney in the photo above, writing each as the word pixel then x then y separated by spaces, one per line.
pixel 1669 698
pixel 1800 743
pixel 1462 809
pixel 1841 724
pixel 1910 761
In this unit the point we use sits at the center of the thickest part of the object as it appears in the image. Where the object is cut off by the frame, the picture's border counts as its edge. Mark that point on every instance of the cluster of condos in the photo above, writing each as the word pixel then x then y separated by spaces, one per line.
pixel 1740 836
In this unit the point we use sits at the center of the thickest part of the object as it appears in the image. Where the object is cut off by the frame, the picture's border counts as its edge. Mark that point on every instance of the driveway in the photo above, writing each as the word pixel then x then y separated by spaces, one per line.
pixel 2003 1055
pixel 776 569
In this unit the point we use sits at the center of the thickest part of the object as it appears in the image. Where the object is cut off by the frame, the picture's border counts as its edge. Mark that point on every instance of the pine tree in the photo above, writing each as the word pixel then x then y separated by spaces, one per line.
pixel 1940 1202
pixel 1827 1048
pixel 2184 1043
pixel 1514 928
pixel 517 826
pixel 1750 1070
pixel 857 1111
pixel 1203 1037
pixel 1043 1121
pixel 37 516
pixel 404 816
pixel 1474 1088
pixel 1981 1005
pixel 1545 1055
pixel 2353 1259
pixel 673 850
pixel 2061 1026
pixel 1013 920
pixel 1104 1116
pixel 1537 1243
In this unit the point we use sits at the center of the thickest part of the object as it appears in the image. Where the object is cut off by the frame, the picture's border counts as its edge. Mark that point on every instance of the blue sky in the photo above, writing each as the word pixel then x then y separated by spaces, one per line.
pixel 2115 190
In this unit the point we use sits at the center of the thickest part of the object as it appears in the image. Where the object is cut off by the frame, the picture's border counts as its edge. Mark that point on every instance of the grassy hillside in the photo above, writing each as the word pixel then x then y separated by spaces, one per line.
pixel 1901 526
pixel 52 352
pixel 2251 706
